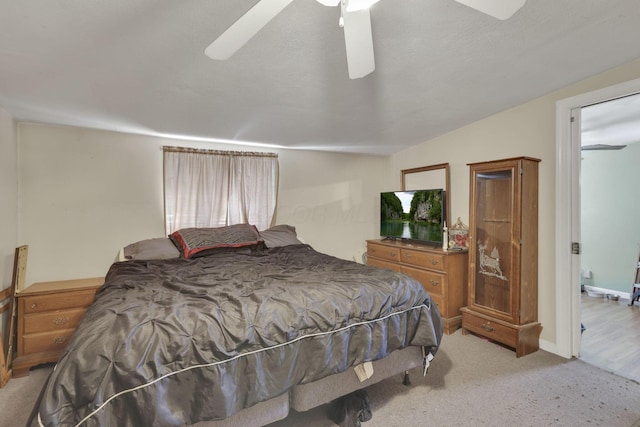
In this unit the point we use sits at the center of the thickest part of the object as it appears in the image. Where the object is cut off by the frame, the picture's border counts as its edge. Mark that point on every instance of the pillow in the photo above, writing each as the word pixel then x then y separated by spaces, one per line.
pixel 157 248
pixel 280 235
pixel 200 241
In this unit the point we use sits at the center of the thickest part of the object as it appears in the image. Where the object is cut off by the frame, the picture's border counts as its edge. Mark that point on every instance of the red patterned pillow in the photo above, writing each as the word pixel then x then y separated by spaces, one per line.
pixel 195 241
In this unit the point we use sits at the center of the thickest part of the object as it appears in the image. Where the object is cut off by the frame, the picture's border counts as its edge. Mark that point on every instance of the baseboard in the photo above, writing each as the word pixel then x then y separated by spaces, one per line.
pixel 550 347
pixel 623 295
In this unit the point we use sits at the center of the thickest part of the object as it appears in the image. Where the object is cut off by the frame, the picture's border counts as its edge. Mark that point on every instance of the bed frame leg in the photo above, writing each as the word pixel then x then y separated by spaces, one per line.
pixel 406 380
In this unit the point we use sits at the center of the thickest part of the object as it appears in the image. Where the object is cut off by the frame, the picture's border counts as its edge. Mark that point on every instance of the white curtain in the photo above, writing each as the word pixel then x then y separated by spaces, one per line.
pixel 209 188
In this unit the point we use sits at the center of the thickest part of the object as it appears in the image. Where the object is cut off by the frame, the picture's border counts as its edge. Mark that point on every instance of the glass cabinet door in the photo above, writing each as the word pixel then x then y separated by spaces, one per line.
pixel 492 234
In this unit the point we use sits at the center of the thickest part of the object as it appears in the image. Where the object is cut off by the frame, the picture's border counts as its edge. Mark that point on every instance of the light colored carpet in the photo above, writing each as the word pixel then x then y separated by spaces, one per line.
pixel 471 382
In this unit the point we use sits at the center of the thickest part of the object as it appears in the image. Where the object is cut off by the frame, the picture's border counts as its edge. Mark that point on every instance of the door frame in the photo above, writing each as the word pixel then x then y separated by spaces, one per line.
pixel 568 213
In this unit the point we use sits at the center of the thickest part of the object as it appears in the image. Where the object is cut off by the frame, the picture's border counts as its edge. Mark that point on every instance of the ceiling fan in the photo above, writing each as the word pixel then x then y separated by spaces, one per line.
pixel 354 19
pixel 601 147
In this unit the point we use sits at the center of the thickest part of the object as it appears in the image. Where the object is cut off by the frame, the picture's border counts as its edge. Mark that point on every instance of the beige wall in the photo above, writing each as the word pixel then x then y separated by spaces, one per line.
pixel 526 130
pixel 332 199
pixel 8 197
pixel 86 193
pixel 8 204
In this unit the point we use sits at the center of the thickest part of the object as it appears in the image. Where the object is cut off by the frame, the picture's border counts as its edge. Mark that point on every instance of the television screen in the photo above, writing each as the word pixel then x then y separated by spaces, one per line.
pixel 415 215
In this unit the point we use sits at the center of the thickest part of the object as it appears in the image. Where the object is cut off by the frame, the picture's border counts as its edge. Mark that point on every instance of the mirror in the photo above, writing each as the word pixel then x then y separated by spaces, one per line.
pixel 434 176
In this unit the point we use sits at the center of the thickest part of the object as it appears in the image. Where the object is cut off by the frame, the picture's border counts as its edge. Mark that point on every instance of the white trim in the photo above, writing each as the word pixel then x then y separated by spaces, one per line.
pixel 568 295
pixel 563 228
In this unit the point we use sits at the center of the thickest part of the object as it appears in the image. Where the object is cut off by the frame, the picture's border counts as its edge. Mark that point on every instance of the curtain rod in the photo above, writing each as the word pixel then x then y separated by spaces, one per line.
pixel 172 149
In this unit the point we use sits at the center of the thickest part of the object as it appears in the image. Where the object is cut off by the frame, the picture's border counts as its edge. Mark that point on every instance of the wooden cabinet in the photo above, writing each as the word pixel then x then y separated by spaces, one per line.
pixel 48 313
pixel 442 274
pixel 503 253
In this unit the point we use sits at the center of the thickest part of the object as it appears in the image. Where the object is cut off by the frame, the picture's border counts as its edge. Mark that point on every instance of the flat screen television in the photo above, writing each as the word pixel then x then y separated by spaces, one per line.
pixel 417 215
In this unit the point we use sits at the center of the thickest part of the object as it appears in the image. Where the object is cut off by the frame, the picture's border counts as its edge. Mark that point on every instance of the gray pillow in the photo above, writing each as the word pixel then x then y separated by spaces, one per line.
pixel 158 248
pixel 280 235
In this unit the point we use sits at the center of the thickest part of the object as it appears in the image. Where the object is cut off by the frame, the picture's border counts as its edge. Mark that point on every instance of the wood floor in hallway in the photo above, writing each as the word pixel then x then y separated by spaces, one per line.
pixel 611 339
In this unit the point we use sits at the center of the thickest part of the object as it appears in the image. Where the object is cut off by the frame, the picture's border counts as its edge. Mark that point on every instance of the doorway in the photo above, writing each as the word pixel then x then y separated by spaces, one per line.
pixel 609 233
pixel 568 155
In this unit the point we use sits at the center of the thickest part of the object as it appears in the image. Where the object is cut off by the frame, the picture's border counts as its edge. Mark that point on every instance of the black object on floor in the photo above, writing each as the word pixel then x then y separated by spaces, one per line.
pixel 351 410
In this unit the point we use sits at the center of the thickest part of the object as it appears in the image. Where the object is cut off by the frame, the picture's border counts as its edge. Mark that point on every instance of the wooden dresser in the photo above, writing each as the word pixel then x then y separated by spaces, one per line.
pixel 48 313
pixel 442 274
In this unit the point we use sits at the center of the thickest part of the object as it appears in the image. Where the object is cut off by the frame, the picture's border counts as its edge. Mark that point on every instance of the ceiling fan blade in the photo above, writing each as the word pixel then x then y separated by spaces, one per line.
pixel 358 41
pixel 501 9
pixel 601 147
pixel 245 28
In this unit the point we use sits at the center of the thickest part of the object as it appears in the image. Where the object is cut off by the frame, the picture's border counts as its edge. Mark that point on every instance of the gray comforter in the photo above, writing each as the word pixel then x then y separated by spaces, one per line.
pixel 178 341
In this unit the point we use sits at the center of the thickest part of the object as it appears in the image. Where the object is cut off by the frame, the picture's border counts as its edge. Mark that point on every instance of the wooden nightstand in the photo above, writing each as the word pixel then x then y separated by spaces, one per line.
pixel 48 313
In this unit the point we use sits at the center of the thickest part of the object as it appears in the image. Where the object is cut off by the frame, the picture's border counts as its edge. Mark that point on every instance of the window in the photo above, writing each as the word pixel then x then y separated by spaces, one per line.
pixel 210 188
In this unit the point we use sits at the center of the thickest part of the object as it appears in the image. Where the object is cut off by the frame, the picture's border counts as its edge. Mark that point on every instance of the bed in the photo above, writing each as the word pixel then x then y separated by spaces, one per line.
pixel 231 326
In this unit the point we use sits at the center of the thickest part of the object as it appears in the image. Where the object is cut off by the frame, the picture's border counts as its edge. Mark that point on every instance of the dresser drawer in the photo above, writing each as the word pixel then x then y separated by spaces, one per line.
pixel 434 283
pixel 438 301
pixel 384 252
pixel 63 300
pixel 383 264
pixel 423 259
pixel 444 274
pixel 53 321
pixel 47 341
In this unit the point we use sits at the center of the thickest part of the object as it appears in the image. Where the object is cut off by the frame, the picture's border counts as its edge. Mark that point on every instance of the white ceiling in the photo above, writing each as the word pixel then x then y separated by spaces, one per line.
pixel 138 66
pixel 612 123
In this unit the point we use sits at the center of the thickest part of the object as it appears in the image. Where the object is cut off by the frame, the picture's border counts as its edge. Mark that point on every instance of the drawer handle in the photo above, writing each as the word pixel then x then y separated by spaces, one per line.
pixel 392 253
pixel 34 305
pixel 434 282
pixel 434 261
pixel 373 250
pixel 60 321
pixel 60 340
pixel 487 327
pixel 407 255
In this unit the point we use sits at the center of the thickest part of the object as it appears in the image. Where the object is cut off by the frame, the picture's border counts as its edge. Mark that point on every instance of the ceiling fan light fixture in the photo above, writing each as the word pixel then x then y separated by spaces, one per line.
pixel 330 3
pixel 500 9
pixel 355 5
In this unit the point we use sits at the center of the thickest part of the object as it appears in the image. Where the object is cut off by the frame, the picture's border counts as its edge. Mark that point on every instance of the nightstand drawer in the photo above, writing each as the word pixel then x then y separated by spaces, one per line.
pixel 384 252
pixel 434 283
pixel 53 321
pixel 423 259
pixel 63 300
pixel 46 341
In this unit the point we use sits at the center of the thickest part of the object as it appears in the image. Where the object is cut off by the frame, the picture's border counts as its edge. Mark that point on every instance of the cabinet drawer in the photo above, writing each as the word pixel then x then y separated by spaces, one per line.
pixel 434 283
pixel 63 300
pixel 489 329
pixel 423 259
pixel 47 341
pixel 53 321
pixel 384 252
